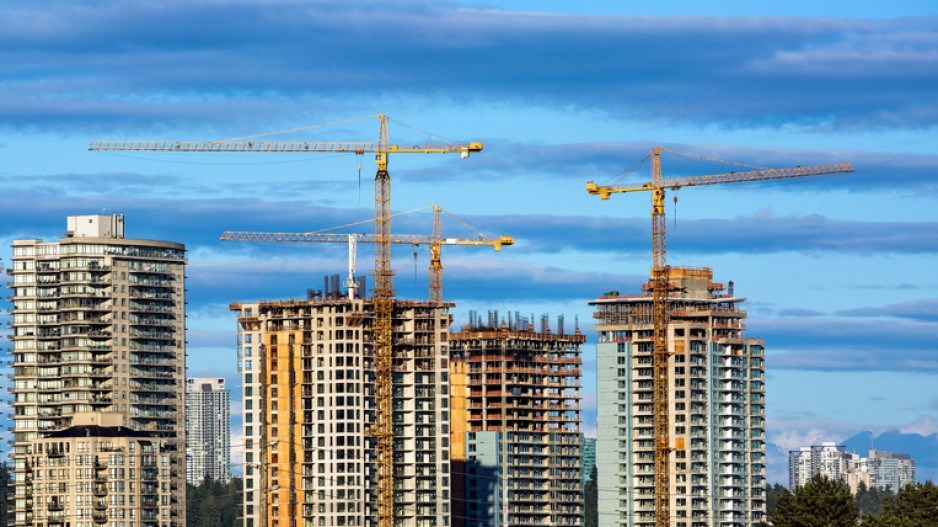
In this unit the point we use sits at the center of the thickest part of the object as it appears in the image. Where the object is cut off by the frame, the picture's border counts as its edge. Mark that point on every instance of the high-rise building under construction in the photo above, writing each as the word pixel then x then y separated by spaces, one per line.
pixel 717 407
pixel 98 327
pixel 516 424
pixel 308 372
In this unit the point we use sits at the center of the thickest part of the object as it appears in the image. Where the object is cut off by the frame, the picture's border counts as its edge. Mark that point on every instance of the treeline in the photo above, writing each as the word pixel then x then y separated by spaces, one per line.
pixel 6 502
pixel 823 502
pixel 214 504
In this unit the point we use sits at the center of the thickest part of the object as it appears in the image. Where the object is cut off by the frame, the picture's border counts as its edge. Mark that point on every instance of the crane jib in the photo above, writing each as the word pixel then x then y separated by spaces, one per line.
pixel 280 146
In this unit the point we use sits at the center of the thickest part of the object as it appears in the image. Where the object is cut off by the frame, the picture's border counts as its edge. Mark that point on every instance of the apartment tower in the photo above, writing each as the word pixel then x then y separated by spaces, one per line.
pixel 98 326
pixel 111 473
pixel 308 374
pixel 208 430
pixel 717 407
pixel 516 424
pixel 827 459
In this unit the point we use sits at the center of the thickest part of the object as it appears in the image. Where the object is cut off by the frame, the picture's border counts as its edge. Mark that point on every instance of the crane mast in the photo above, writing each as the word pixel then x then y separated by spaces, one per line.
pixel 436 264
pixel 659 301
pixel 660 290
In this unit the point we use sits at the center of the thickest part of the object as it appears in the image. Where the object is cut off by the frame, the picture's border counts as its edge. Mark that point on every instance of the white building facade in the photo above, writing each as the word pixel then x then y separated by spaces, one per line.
pixel 208 430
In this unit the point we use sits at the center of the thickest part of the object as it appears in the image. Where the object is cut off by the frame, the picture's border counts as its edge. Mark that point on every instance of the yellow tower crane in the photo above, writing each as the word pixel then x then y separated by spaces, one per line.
pixel 383 301
pixel 434 241
pixel 660 287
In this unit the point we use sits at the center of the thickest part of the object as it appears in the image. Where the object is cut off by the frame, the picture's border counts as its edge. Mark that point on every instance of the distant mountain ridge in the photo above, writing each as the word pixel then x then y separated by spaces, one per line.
pixel 923 449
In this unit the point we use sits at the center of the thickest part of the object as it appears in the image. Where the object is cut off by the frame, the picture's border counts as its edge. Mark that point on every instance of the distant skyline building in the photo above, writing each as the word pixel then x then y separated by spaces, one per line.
pixel 98 327
pixel 208 430
pixel 516 458
pixel 890 470
pixel 717 394
pixel 880 470
pixel 827 459
pixel 308 372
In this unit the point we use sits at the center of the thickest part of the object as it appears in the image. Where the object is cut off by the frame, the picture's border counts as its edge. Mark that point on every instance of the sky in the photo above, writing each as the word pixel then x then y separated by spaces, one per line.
pixel 838 270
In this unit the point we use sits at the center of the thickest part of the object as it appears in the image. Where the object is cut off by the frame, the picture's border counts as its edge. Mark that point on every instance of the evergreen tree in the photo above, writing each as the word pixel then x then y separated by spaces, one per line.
pixel 5 501
pixel 590 510
pixel 870 501
pixel 772 494
pixel 821 502
pixel 916 505
pixel 213 504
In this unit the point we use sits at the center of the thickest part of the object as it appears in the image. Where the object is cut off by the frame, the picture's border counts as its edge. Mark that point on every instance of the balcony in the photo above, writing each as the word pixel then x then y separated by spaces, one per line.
pixel 55 506
pixel 99 516
pixel 99 491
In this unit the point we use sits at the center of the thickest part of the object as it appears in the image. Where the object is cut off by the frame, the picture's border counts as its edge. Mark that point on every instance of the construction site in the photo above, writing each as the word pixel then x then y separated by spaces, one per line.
pixel 363 409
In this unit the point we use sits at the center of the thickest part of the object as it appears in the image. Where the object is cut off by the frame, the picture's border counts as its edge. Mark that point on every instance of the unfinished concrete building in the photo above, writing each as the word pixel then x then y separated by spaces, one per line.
pixel 717 407
pixel 516 424
pixel 308 373
pixel 98 326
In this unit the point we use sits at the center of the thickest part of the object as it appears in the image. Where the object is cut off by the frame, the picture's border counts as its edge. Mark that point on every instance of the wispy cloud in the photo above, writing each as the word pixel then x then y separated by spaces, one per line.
pixel 197 220
pixel 923 310
pixel 226 61
pixel 831 343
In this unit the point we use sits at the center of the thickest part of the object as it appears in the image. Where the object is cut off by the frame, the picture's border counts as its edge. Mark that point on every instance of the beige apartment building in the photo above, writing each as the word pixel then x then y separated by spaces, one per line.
pixel 98 326
pixel 98 472
pixel 307 369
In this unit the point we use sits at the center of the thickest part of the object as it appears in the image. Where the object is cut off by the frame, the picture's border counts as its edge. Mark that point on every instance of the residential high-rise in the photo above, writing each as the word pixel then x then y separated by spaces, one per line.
pixel 827 459
pixel 208 430
pixel 98 472
pixel 800 467
pixel 717 407
pixel 308 378
pixel 98 326
pixel 881 470
pixel 890 470
pixel 516 425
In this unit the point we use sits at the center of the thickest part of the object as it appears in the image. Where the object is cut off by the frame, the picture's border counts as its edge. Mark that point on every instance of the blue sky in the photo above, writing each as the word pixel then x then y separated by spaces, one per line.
pixel 838 270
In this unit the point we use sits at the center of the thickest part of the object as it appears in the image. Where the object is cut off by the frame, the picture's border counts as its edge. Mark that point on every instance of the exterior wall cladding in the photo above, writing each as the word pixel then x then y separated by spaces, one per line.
pixel 308 375
pixel 516 427
pixel 98 326
pixel 717 407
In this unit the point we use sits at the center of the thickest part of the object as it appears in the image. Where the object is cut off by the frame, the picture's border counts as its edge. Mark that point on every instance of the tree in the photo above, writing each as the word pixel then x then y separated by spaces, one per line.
pixel 772 493
pixel 591 513
pixel 870 501
pixel 916 505
pixel 213 504
pixel 821 502
pixel 5 501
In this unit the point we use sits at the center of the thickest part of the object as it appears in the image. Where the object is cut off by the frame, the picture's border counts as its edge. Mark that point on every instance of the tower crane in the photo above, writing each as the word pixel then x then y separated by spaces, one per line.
pixel 434 241
pixel 660 287
pixel 383 300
